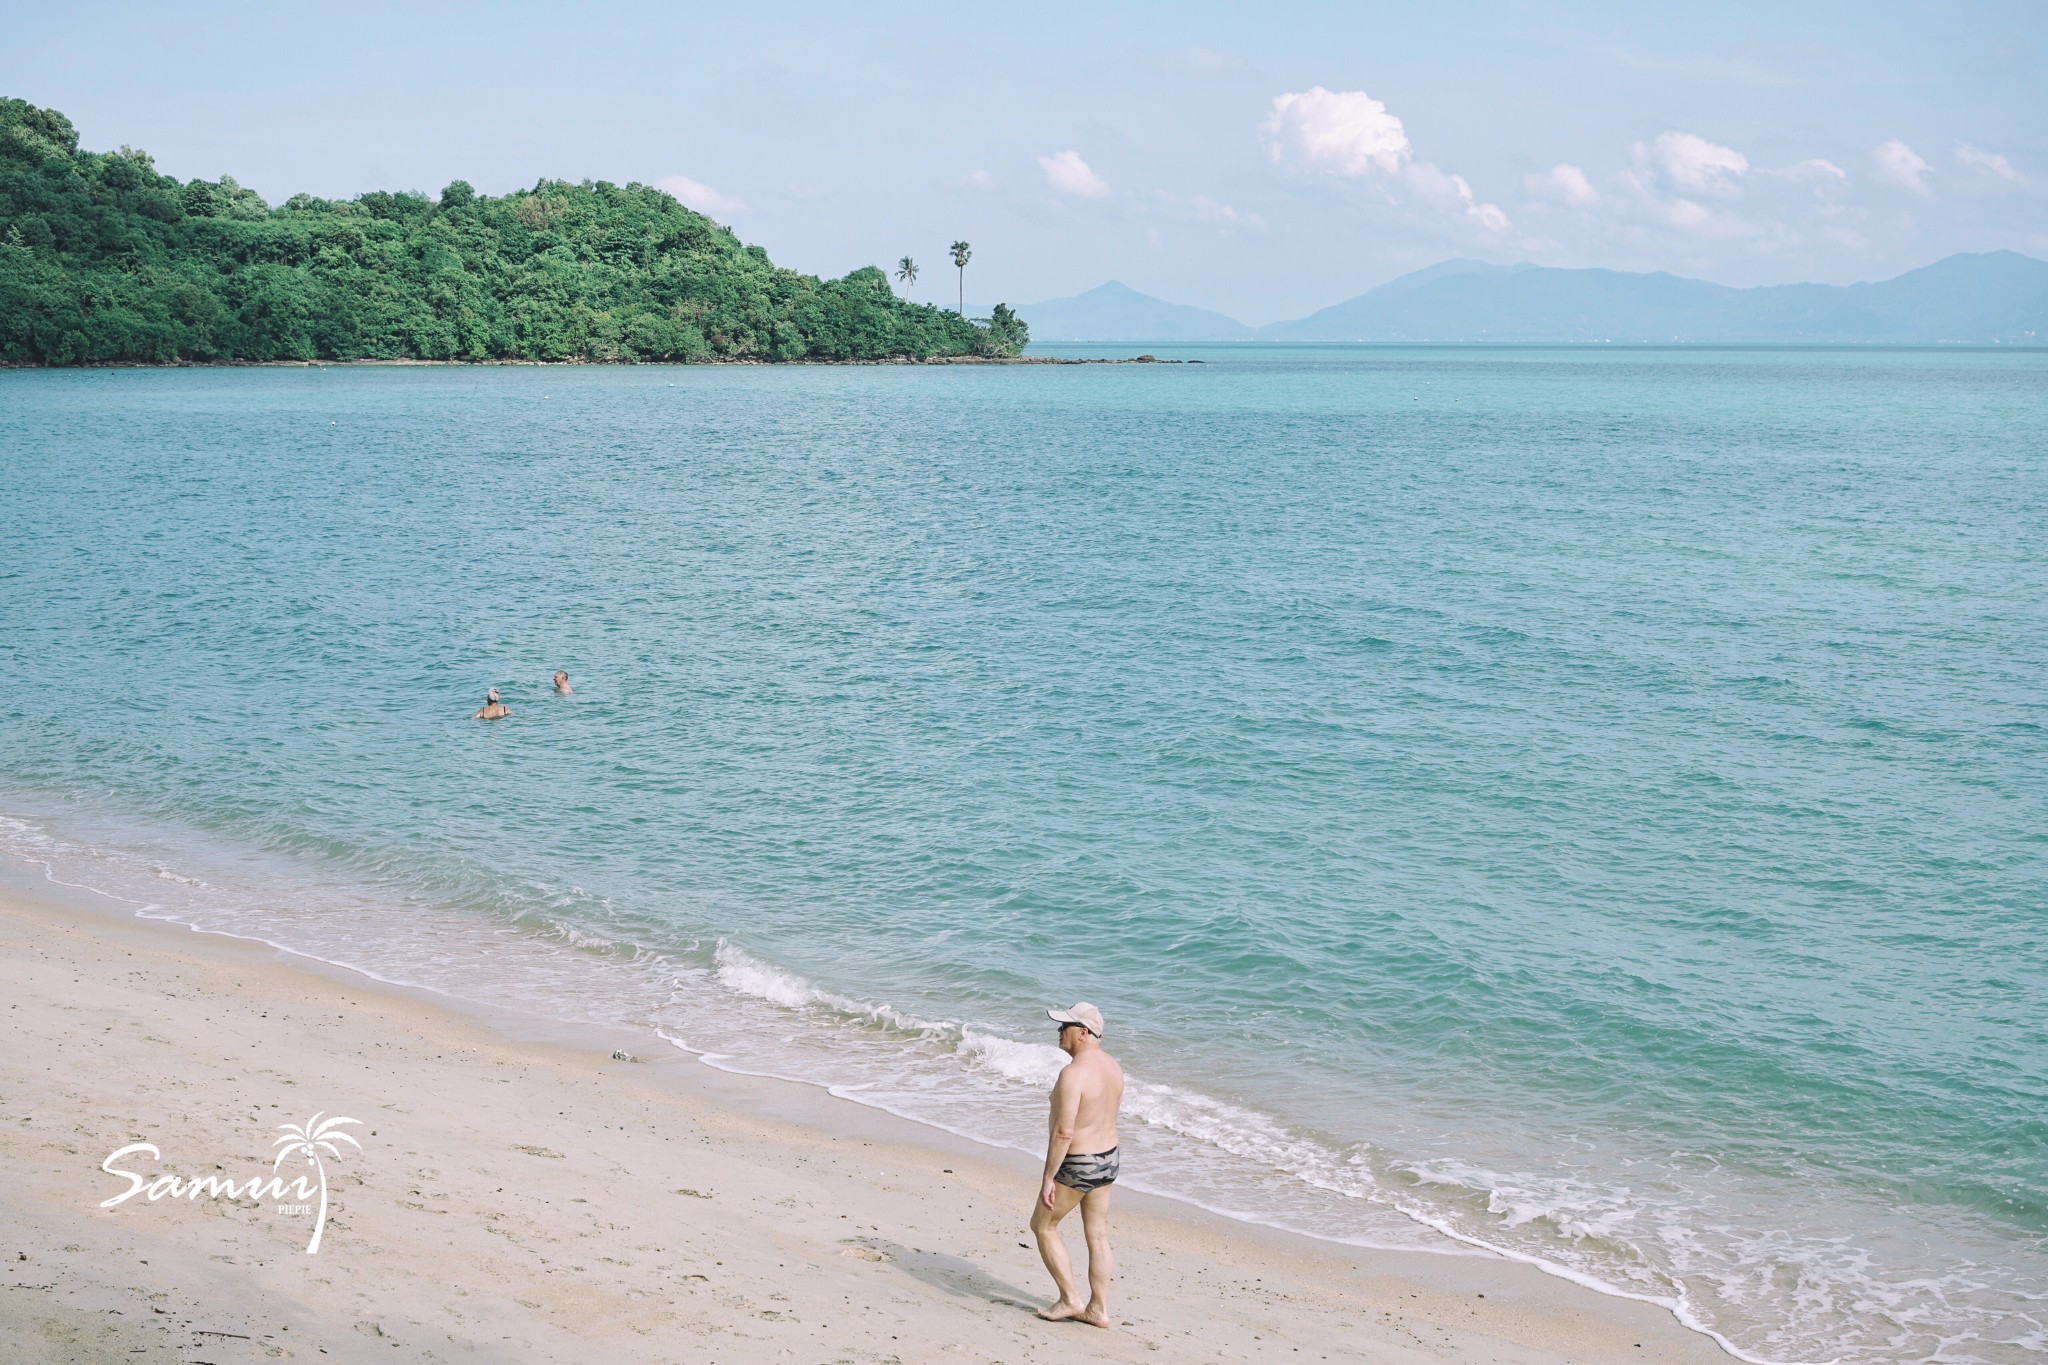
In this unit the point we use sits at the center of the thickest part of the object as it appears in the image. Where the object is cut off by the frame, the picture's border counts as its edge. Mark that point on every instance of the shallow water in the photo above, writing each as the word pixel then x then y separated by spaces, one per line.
pixel 1587 804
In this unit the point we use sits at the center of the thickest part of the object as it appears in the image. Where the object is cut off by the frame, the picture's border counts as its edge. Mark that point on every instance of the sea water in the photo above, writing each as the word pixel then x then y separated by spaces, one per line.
pixel 1583 804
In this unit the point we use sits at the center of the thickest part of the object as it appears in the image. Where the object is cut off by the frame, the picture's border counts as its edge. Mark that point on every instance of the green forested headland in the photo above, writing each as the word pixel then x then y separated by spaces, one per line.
pixel 102 260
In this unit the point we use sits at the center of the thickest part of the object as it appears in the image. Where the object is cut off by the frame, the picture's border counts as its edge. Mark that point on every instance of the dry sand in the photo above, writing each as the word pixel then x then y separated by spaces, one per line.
pixel 520 1196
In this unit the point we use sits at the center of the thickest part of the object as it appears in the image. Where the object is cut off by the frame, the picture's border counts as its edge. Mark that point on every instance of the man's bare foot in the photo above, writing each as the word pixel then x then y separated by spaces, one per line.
pixel 1093 1316
pixel 1062 1312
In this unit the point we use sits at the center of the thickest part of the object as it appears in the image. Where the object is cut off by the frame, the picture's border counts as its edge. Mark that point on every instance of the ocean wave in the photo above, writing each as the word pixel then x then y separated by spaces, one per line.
pixel 744 974
pixel 1033 1064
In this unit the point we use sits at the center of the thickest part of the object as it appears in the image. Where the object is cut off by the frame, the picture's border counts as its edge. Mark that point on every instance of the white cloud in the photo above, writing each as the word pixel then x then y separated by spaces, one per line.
pixel 1069 174
pixel 1489 216
pixel 1990 162
pixel 1450 192
pixel 1814 171
pixel 973 180
pixel 1688 216
pixel 1207 210
pixel 1345 132
pixel 1681 202
pixel 1643 197
pixel 699 195
pixel 1564 183
pixel 1900 165
pixel 1349 133
pixel 1694 164
pixel 1669 176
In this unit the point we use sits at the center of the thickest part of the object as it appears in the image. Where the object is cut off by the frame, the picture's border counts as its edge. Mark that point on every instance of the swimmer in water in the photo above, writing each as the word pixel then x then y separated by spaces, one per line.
pixel 492 707
pixel 562 688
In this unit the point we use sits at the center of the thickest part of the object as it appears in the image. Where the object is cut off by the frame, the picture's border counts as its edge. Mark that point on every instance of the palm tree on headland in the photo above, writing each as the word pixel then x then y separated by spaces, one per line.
pixel 961 253
pixel 906 271
pixel 316 1137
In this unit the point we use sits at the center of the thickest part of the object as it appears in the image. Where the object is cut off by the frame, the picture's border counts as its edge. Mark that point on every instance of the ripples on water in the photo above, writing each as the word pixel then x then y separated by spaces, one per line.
pixel 1586 804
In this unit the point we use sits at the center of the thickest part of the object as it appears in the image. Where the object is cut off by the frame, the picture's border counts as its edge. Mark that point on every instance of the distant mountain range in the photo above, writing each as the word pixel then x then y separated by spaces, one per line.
pixel 1116 312
pixel 1998 297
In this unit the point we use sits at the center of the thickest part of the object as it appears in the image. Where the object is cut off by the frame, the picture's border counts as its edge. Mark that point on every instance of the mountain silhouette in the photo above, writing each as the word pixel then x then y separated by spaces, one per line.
pixel 1998 297
pixel 1116 312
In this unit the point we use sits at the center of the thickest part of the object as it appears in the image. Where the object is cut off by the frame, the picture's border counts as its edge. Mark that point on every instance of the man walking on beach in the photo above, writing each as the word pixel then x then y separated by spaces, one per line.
pixel 1080 1165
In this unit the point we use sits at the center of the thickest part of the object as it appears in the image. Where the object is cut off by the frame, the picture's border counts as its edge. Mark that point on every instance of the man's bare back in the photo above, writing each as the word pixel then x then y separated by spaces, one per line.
pixel 1096 1083
pixel 1081 1164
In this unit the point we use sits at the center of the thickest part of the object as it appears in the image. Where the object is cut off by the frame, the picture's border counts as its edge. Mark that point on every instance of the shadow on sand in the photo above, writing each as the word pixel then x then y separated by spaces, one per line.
pixel 953 1274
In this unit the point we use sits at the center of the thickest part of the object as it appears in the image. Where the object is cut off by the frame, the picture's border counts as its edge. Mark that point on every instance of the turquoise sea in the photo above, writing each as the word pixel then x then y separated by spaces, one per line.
pixel 1589 804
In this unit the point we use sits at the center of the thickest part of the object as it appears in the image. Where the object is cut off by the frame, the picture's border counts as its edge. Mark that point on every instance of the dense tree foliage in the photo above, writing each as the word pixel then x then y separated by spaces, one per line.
pixel 103 259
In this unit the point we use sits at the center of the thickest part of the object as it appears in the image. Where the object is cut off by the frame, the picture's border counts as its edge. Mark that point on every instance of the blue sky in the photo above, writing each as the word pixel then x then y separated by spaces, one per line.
pixel 1264 161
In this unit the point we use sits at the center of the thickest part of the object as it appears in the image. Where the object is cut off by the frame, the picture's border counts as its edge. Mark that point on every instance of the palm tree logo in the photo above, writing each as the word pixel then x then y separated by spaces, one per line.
pixel 906 271
pixel 317 1136
pixel 961 254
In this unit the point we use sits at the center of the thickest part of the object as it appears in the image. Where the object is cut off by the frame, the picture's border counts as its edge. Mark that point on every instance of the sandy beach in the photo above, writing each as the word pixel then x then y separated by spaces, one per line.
pixel 520 1195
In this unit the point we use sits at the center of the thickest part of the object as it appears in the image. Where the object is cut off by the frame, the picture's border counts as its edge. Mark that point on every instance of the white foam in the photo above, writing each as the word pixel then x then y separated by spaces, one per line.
pixel 1033 1064
pixel 741 972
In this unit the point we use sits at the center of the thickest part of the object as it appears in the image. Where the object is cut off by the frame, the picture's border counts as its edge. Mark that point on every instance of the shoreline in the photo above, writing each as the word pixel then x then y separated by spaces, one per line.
pixel 937 1218
pixel 733 360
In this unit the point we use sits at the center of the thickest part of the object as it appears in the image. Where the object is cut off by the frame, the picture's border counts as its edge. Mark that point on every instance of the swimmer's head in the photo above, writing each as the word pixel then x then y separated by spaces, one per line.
pixel 491 696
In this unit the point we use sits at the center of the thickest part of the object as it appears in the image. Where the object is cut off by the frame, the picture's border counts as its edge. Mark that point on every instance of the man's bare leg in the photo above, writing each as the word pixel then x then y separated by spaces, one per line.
pixel 1101 1265
pixel 1052 1249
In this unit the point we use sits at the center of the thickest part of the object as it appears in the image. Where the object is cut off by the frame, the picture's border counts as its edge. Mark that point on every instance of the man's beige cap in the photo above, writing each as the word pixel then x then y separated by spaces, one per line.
pixel 1084 1014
